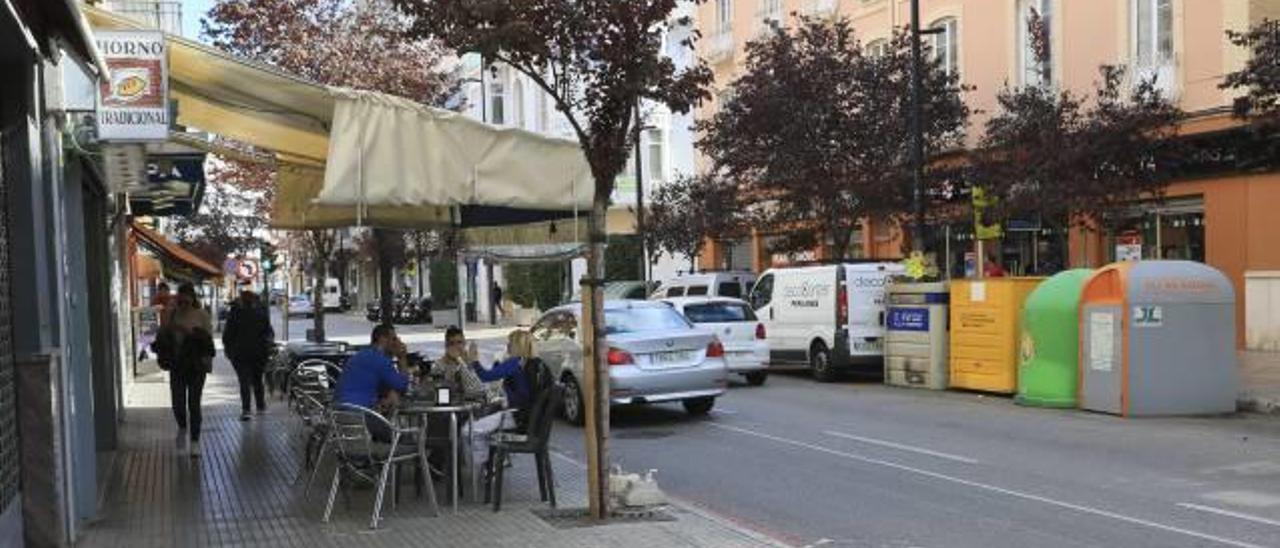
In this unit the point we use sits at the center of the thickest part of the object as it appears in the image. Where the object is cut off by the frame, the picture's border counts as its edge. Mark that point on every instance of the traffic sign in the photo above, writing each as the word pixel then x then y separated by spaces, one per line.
pixel 247 270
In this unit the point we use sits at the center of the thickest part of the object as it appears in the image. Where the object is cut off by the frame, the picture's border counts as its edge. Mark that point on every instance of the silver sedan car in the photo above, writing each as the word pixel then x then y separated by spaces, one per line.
pixel 654 355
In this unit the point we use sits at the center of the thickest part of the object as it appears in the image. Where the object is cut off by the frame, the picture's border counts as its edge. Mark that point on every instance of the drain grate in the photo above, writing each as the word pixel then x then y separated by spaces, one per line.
pixel 573 518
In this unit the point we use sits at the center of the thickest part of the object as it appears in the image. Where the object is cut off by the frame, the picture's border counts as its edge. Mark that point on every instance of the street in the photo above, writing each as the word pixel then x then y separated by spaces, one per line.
pixel 861 464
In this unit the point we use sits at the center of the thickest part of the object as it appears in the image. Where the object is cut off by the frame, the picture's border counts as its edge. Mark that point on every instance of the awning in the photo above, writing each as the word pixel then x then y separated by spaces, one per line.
pixel 177 261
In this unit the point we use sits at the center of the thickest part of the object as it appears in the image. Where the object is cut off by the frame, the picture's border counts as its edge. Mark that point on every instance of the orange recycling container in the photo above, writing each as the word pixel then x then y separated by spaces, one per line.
pixel 985 332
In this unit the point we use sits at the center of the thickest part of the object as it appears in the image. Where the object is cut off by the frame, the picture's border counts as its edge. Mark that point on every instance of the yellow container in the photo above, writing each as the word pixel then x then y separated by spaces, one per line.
pixel 984 332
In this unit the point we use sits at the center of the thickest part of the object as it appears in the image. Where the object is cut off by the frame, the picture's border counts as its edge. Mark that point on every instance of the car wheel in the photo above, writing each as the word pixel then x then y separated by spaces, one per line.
pixel 699 406
pixel 756 378
pixel 572 407
pixel 820 363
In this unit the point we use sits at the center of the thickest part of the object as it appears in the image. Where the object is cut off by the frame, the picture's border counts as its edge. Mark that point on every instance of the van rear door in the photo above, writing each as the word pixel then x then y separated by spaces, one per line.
pixel 866 285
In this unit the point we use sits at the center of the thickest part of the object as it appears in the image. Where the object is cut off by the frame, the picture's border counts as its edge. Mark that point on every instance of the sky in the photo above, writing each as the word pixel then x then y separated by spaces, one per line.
pixel 192 12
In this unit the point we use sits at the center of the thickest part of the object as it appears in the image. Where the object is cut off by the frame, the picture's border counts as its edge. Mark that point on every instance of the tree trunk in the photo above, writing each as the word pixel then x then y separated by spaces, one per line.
pixel 596 384
pixel 386 296
pixel 317 298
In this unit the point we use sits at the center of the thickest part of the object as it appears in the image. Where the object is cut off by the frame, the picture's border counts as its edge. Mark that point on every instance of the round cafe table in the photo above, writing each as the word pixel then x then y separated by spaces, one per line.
pixel 425 410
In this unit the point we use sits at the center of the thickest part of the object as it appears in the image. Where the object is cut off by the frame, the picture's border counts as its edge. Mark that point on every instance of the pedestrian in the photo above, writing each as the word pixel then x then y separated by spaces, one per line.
pixel 247 339
pixel 497 300
pixel 162 297
pixel 186 350
pixel 992 269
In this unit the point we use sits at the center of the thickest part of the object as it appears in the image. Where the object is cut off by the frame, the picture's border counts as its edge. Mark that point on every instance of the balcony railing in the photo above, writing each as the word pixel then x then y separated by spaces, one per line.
pixel 165 15
pixel 720 46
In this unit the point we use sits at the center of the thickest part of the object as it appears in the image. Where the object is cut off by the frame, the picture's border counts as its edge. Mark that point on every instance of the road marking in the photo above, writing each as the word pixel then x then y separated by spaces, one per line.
pixel 903 447
pixel 1229 513
pixel 992 488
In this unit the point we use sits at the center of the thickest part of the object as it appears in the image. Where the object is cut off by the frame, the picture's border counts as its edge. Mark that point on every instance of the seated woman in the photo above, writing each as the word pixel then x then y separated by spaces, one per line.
pixel 515 382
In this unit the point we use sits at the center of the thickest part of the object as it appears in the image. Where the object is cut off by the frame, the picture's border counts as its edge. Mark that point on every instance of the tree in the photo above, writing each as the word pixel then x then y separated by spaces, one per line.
pixel 1260 77
pixel 595 60
pixel 684 213
pixel 815 132
pixel 535 285
pixel 332 42
pixel 1062 159
pixel 227 223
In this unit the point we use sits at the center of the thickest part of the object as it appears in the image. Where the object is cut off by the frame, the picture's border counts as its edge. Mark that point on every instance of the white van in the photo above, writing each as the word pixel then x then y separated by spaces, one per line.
pixel 332 294
pixel 827 318
pixel 734 284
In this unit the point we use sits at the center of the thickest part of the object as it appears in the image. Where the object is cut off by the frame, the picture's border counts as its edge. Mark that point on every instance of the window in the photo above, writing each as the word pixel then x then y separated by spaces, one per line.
pixel 719 313
pixel 1152 32
pixel 946 44
pixel 1035 58
pixel 648 318
pixel 770 10
pixel 655 165
pixel 762 293
pixel 877 48
pixel 517 104
pixel 729 289
pixel 497 100
pixel 724 15
pixel 677 291
pixel 697 290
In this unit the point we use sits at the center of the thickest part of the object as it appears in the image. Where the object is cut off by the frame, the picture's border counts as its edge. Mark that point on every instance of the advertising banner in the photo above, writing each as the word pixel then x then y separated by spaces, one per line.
pixel 133 104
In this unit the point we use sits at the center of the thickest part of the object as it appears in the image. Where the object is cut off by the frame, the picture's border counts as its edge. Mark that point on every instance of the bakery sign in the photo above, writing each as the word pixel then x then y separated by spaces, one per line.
pixel 133 102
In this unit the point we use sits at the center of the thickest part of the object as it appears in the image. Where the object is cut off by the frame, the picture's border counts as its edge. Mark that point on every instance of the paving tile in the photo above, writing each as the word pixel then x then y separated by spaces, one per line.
pixel 242 492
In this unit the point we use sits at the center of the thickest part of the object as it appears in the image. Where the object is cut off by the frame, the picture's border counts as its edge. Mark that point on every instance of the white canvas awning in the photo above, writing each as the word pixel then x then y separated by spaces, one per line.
pixel 388 151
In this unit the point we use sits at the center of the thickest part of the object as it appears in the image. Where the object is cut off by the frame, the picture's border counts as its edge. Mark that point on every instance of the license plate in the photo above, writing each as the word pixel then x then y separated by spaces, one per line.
pixel 670 358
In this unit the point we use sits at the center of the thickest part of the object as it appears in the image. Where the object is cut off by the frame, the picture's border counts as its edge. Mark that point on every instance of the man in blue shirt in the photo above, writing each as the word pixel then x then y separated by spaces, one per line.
pixel 370 378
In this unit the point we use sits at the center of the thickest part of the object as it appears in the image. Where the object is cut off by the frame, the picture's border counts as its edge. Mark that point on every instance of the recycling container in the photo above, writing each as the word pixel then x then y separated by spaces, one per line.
pixel 915 350
pixel 1158 338
pixel 1049 359
pixel 984 332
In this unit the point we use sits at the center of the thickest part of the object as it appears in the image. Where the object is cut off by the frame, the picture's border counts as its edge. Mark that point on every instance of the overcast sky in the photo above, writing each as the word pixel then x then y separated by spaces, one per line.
pixel 192 12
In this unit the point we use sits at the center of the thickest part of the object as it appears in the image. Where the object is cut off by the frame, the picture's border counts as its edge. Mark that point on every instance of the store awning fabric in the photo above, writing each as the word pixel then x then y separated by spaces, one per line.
pixel 173 255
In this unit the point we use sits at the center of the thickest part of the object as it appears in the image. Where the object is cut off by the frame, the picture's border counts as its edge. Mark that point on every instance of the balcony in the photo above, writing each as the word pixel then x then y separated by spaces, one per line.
pixel 822 8
pixel 720 47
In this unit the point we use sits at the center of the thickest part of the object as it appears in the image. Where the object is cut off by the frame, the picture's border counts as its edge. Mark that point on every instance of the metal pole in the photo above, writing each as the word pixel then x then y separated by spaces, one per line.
pixel 484 101
pixel 640 198
pixel 917 134
pixel 284 306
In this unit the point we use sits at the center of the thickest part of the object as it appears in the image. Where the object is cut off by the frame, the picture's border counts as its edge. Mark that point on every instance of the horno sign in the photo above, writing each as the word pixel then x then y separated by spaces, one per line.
pixel 133 103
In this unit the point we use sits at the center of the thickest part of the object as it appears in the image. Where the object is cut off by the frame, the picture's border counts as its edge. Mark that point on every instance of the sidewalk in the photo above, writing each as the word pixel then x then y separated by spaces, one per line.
pixel 241 493
pixel 1259 382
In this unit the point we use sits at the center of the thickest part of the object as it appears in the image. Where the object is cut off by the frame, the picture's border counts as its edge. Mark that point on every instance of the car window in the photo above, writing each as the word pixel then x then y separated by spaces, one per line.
pixel 635 320
pixel 636 292
pixel 541 331
pixel 697 290
pixel 729 289
pixel 762 294
pixel 719 313
pixel 564 325
pixel 677 291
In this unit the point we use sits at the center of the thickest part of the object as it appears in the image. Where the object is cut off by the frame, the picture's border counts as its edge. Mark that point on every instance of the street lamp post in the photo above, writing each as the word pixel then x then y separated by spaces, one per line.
pixel 917 130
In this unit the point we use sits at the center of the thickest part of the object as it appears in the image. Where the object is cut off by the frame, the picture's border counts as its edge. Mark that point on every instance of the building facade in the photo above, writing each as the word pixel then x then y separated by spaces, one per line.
pixel 1214 213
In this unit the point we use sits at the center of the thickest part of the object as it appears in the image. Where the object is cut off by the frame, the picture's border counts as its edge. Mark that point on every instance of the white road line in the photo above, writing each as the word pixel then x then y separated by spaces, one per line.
pixel 903 447
pixel 1229 513
pixel 993 488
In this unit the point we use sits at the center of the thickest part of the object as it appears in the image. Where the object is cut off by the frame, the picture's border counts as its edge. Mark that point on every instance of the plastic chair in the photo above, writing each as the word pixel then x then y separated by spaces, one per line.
pixel 535 442
pixel 360 456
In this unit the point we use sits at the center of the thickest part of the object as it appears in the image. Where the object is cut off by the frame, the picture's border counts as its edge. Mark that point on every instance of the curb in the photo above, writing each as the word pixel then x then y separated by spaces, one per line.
pixel 1258 404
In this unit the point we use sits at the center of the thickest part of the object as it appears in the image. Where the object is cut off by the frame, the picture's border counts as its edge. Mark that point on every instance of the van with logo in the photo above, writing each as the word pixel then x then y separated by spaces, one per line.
pixel 826 318
pixel 726 283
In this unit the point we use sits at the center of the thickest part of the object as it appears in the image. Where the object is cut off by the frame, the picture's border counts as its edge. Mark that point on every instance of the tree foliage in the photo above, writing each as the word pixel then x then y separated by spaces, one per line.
pixel 685 212
pixel 227 223
pixel 1057 156
pixel 815 133
pixel 1260 77
pixel 534 285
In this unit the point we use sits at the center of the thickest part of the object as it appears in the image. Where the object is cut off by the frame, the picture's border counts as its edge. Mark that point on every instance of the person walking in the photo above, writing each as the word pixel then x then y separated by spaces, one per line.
pixel 247 339
pixel 185 348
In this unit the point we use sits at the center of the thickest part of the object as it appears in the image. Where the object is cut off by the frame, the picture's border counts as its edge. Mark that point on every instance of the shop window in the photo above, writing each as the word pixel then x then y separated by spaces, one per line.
pixel 1172 231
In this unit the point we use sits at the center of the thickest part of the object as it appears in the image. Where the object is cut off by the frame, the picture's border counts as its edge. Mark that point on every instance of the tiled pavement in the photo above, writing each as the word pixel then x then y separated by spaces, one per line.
pixel 1260 381
pixel 241 492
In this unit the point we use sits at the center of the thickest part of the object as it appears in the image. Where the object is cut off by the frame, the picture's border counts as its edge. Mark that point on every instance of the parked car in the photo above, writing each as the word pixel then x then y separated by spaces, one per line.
pixel 300 305
pixel 654 354
pixel 734 323
pixel 629 289
pixel 827 318
pixel 706 284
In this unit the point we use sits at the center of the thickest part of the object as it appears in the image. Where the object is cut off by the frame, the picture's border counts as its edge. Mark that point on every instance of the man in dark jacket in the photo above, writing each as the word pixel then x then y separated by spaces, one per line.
pixel 247 339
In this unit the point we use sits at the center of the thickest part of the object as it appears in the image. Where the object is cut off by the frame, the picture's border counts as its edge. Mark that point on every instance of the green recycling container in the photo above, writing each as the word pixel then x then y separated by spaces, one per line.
pixel 1048 361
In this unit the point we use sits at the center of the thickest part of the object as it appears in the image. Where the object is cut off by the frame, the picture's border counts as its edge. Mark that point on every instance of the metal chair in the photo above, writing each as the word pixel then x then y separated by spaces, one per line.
pixel 360 456
pixel 534 442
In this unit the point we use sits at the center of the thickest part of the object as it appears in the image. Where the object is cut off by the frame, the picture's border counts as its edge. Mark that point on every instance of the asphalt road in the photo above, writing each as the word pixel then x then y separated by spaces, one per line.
pixel 860 464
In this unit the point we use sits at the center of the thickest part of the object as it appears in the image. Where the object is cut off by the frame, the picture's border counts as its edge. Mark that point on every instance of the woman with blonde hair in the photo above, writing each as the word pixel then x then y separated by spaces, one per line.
pixel 511 371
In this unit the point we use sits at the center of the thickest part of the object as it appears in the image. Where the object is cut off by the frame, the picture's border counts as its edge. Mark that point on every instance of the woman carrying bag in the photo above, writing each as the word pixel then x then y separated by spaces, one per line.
pixel 185 347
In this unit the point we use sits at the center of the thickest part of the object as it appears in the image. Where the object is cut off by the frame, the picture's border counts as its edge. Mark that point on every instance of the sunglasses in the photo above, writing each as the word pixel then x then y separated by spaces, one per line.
pixel 456 342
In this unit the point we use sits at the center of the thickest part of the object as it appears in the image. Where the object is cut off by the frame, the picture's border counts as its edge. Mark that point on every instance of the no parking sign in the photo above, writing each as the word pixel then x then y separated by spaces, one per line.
pixel 247 269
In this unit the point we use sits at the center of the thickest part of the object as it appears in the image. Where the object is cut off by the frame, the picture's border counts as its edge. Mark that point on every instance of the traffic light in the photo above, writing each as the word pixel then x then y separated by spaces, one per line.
pixel 267 256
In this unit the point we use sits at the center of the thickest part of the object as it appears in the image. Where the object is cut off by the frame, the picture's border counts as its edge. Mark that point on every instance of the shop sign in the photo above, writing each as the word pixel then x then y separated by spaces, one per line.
pixel 1129 247
pixel 907 319
pixel 133 104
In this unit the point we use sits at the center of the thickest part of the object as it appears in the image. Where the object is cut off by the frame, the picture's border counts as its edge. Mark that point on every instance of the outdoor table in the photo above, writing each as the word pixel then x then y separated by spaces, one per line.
pixel 424 409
